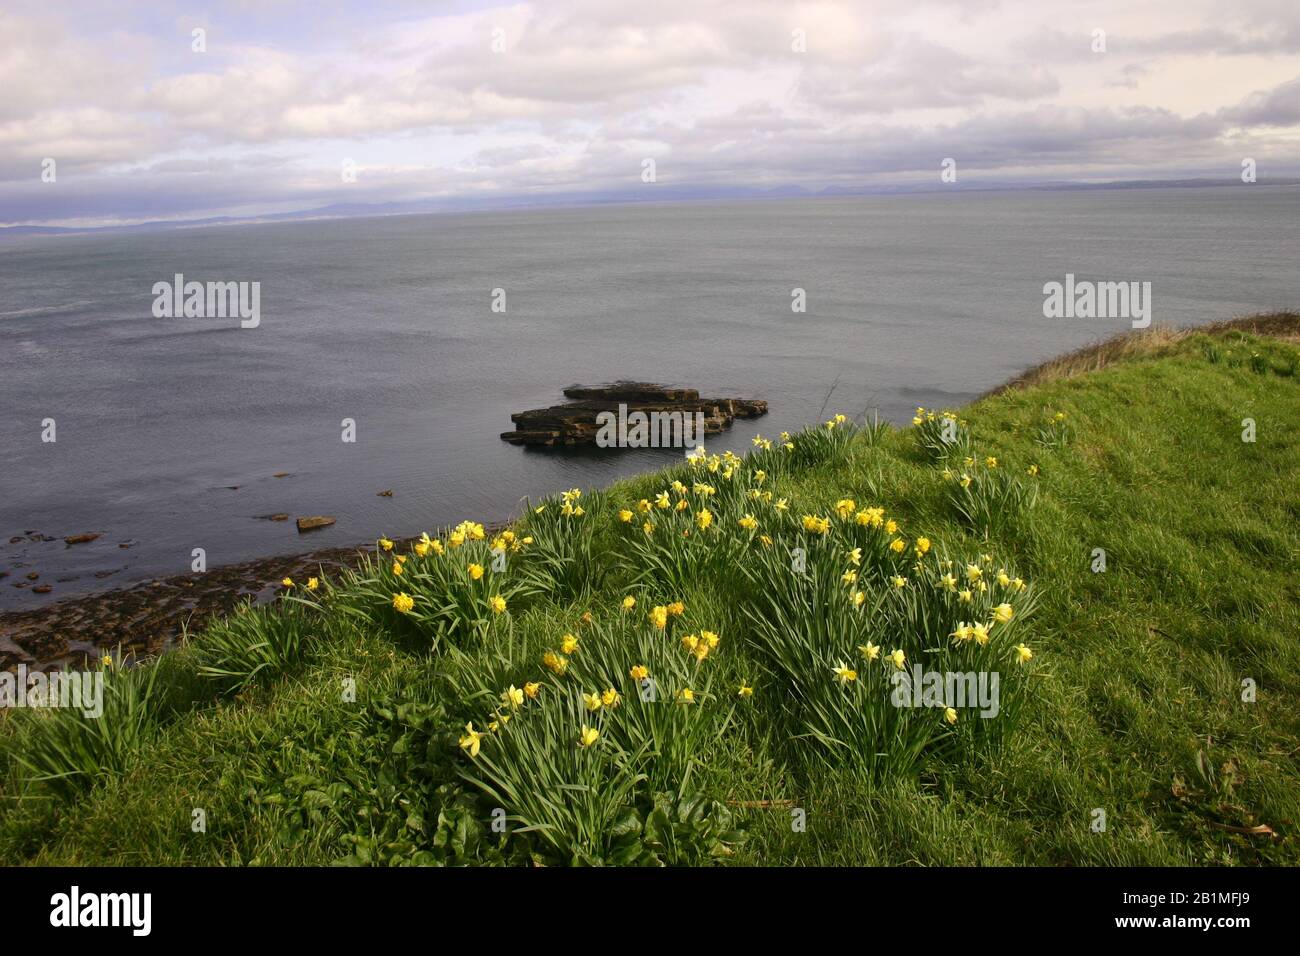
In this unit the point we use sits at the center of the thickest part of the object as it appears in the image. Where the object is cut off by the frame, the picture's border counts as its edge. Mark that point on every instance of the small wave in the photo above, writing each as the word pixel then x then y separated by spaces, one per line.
pixel 64 308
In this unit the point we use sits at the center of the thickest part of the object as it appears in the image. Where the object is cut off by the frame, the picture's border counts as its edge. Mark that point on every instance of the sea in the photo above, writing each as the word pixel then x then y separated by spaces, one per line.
pixel 168 431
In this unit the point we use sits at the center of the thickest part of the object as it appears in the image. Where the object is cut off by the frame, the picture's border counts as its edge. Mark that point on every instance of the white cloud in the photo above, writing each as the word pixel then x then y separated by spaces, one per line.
pixel 586 88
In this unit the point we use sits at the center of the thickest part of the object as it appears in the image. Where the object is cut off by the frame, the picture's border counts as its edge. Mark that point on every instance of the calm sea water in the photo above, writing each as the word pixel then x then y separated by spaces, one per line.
pixel 927 299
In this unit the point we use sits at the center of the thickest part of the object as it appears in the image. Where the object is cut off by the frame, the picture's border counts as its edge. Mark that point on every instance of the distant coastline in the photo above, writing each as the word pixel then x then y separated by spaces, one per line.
pixel 664 194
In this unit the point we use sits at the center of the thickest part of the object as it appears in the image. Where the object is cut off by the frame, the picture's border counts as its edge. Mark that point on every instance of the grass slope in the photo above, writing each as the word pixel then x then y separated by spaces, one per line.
pixel 1132 705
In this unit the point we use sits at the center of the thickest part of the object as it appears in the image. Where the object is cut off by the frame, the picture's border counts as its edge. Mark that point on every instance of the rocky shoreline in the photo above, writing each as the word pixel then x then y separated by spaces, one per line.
pixel 147 618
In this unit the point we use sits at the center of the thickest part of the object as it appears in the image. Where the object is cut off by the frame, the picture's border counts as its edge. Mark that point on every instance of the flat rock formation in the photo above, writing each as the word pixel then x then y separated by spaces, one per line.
pixel 314 521
pixel 574 422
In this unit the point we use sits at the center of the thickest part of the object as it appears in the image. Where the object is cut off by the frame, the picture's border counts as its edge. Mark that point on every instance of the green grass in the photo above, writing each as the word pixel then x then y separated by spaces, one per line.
pixel 317 736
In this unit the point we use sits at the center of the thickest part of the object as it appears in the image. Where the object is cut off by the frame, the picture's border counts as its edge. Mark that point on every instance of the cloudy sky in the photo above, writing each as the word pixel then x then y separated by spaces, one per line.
pixel 472 100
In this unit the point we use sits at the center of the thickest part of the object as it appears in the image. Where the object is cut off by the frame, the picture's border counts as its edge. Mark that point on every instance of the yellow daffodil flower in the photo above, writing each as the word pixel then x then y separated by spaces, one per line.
pixel 471 740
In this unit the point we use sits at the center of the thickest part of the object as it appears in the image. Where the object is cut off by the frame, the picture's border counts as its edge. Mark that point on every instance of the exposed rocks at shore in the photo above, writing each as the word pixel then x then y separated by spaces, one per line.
pixel 147 618
pixel 575 422
pixel 315 521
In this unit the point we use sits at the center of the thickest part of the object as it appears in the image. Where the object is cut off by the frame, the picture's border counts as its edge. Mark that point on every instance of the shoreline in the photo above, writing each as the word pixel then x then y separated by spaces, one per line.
pixel 147 617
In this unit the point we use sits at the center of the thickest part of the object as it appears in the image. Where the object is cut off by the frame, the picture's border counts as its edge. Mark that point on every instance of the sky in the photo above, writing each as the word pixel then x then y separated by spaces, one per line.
pixel 278 106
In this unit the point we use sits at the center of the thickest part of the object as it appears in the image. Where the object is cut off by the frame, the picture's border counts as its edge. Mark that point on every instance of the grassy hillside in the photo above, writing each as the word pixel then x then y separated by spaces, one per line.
pixel 332 726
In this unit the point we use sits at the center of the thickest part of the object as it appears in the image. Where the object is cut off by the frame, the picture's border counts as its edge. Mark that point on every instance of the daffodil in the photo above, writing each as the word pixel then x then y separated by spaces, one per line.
pixel 532 689
pixel 512 697
pixel 973 572
pixel 662 500
pixel 965 596
pixel 1023 654
pixel 898 581
pixel 898 546
pixel 898 658
pixel 286 582
pixel 844 674
pixel 568 644
pixel 1003 613
pixel 686 695
pixel 592 702
pixel 859 599
pixel 611 699
pixel 980 633
pixel 659 616
pixel 870 651
pixel 554 663
pixel 849 577
pixel 816 524
pixel 781 505
pixel 748 522
pixel 588 736
pixel 950 715
pixel 624 516
pixel 497 603
pixel 386 544
pixel 639 673
pixel 703 518
pixel 313 584
pixel 403 602
pixel 470 741
pixel 629 602
pixel 677 608
pixel 922 547
pixel 845 507
pixel 475 571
